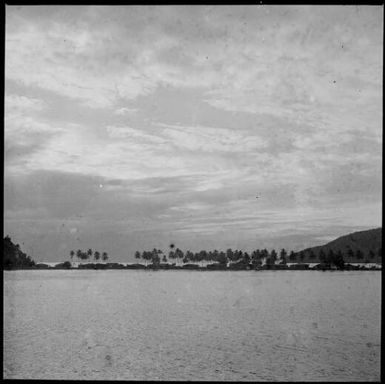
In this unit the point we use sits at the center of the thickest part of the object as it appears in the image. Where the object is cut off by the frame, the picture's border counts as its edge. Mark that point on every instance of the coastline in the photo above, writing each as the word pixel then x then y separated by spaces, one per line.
pixel 210 267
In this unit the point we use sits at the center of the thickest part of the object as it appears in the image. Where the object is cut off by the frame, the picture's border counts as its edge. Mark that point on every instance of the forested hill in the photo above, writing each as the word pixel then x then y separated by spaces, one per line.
pixel 356 247
pixel 13 257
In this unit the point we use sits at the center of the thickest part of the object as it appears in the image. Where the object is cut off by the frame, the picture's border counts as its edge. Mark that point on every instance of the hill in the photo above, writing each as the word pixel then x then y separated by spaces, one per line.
pixel 13 257
pixel 356 247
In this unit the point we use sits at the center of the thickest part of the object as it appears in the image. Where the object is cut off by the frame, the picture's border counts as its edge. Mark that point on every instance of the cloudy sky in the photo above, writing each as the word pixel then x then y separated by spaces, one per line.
pixel 128 128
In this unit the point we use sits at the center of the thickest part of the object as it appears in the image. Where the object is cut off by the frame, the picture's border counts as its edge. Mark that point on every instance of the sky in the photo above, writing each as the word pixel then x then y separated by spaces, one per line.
pixel 134 127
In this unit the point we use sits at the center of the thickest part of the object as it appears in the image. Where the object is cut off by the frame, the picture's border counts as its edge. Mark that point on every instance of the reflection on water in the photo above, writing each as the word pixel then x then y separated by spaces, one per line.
pixel 179 325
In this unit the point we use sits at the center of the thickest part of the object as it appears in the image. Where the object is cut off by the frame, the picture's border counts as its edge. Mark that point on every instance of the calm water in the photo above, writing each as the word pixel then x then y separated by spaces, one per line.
pixel 179 325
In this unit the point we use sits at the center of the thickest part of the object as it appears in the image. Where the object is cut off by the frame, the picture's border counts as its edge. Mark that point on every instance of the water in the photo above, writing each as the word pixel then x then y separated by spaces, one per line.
pixel 181 325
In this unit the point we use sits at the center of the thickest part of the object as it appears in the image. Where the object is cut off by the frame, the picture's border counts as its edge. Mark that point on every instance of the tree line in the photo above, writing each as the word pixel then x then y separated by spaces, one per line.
pixel 255 258
pixel 233 256
pixel 89 254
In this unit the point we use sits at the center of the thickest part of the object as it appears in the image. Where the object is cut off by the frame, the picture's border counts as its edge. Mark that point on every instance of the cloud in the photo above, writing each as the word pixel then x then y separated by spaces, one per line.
pixel 127 132
pixel 25 132
pixel 125 111
pixel 15 104
pixel 211 139
pixel 185 114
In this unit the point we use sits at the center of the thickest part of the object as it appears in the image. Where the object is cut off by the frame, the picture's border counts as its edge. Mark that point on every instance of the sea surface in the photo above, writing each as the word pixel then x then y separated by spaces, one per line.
pixel 192 325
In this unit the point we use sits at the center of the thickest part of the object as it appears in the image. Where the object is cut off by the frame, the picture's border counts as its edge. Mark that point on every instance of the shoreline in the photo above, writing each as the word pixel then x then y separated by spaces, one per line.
pixel 212 267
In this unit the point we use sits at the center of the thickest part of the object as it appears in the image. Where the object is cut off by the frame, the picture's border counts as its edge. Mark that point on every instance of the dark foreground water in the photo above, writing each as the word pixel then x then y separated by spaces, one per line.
pixel 179 325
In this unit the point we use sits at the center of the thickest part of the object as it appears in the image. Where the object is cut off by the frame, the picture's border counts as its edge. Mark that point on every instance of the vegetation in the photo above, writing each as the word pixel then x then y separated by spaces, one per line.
pixel 257 259
pixel 329 256
pixel 13 257
pixel 87 255
pixel 230 258
pixel 357 247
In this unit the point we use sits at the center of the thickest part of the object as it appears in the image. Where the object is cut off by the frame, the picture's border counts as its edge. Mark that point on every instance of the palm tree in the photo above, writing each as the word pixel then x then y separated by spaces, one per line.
pixel 155 257
pixel 96 255
pixel 89 253
pixel 137 255
pixel 179 254
pixel 273 256
pixel 246 258
pixel 229 254
pixel 256 258
pixel 79 254
pixel 171 255
pixel 221 258
pixel 72 254
pixel 339 260
pixel 146 256
pixel 104 256
pixel 202 256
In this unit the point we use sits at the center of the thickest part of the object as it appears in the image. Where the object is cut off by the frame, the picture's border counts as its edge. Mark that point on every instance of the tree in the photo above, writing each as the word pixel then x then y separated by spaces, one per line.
pixel 79 254
pixel 292 256
pixel 105 256
pixel 322 256
pixel 283 255
pixel 256 258
pixel 190 256
pixel 72 254
pixel 350 254
pixel 137 255
pixel 302 256
pixel 96 255
pixel 179 254
pixel 246 258
pixel 202 256
pixel 311 255
pixel 222 259
pixel 13 257
pixel 164 259
pixel 273 256
pixel 359 254
pixel 229 254
pixel 154 257
pixel 330 257
pixel 270 259
pixel 171 255
pixel 146 256
pixel 339 260
pixel 89 253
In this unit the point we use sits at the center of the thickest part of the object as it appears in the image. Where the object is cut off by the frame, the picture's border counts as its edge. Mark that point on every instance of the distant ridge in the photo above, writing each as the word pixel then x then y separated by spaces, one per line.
pixel 364 241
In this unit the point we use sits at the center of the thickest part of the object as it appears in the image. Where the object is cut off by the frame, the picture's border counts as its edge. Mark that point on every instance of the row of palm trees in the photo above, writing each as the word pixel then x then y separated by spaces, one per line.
pixel 256 257
pixel 81 255
pixel 178 256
